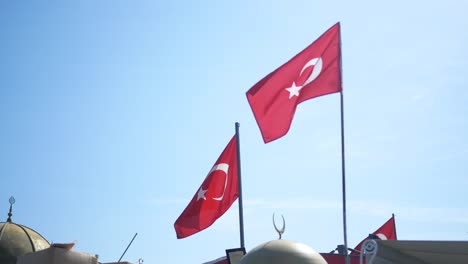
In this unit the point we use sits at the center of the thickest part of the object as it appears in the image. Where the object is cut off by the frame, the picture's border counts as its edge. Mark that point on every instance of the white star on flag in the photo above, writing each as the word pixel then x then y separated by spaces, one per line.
pixel 201 194
pixel 293 90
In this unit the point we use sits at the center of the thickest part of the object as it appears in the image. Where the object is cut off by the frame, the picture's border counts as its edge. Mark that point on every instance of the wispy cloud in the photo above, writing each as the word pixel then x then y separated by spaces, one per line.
pixel 363 208
pixel 419 96
pixel 293 203
pixel 370 208
pixel 411 213
pixel 161 201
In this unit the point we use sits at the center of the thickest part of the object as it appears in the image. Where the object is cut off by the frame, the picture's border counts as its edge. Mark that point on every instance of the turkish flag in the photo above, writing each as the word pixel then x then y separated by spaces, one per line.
pixel 339 259
pixel 214 197
pixel 221 260
pixel 314 72
pixel 386 232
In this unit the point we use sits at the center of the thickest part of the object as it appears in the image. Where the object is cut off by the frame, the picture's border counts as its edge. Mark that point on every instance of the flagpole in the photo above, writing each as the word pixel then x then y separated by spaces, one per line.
pixel 239 178
pixel 343 180
pixel 343 171
pixel 394 226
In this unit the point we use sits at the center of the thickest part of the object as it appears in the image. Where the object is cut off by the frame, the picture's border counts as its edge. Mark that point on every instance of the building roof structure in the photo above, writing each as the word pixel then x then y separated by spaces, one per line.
pixel 18 240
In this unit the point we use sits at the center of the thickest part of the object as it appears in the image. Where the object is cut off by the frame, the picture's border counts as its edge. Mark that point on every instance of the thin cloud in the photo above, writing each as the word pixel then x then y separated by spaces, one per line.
pixel 368 208
pixel 293 203
pixel 158 201
pixel 419 96
pixel 364 208
pixel 411 213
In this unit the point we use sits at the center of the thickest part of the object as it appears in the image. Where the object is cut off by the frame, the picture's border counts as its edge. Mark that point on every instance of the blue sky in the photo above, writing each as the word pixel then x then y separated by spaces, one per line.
pixel 113 112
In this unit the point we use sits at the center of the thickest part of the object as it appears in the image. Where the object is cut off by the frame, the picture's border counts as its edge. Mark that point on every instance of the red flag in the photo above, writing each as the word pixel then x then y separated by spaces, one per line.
pixel 339 259
pixel 313 72
pixel 386 232
pixel 214 197
pixel 221 260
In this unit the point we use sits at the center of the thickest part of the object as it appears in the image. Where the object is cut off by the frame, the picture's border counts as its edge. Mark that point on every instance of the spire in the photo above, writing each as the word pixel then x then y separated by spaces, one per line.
pixel 12 201
pixel 280 231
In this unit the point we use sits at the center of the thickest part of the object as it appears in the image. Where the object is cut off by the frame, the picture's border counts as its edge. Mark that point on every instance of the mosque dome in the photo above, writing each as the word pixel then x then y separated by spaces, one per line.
pixel 282 252
pixel 17 240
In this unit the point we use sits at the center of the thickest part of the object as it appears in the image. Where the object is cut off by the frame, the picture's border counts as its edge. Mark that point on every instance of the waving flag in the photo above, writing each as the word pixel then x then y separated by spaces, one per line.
pixel 386 232
pixel 216 194
pixel 313 72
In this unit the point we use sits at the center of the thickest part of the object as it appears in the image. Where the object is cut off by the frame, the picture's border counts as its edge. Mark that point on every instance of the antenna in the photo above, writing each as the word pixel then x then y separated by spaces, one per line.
pixel 127 247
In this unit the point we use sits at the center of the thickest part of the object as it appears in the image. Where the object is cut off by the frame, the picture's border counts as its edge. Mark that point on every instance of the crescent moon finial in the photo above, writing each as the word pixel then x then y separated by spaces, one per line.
pixel 280 231
pixel 12 201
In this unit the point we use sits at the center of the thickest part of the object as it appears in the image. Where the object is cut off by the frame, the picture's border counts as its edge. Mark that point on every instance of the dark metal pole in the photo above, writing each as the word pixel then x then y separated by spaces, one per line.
pixel 343 180
pixel 343 174
pixel 239 183
pixel 127 247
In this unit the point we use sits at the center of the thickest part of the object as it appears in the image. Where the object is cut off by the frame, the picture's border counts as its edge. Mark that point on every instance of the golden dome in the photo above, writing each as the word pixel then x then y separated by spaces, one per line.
pixel 17 240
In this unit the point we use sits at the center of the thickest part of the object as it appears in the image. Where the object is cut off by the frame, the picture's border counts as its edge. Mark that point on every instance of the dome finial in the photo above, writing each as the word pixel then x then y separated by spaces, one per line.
pixel 280 231
pixel 12 201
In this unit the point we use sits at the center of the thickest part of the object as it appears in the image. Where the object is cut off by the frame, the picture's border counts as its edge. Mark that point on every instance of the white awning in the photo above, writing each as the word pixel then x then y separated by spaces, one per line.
pixel 415 252
pixel 57 255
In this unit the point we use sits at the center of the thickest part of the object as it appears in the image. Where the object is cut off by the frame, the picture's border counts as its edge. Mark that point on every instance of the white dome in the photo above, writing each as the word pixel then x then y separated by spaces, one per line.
pixel 283 252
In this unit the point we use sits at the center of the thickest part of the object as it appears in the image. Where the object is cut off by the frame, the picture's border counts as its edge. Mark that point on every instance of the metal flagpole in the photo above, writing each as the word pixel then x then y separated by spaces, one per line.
pixel 343 174
pixel 343 179
pixel 241 209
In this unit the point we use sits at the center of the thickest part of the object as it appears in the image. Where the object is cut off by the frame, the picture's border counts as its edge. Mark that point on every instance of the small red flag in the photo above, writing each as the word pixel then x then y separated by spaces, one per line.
pixel 339 259
pixel 221 260
pixel 386 232
pixel 216 194
pixel 313 72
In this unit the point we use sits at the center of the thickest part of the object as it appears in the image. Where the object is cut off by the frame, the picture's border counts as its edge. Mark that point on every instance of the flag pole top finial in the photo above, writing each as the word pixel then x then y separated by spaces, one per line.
pixel 12 201
pixel 280 231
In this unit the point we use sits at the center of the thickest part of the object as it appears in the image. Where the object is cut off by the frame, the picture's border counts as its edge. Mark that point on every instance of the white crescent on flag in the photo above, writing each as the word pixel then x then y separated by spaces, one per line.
pixel 317 63
pixel 381 236
pixel 222 167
